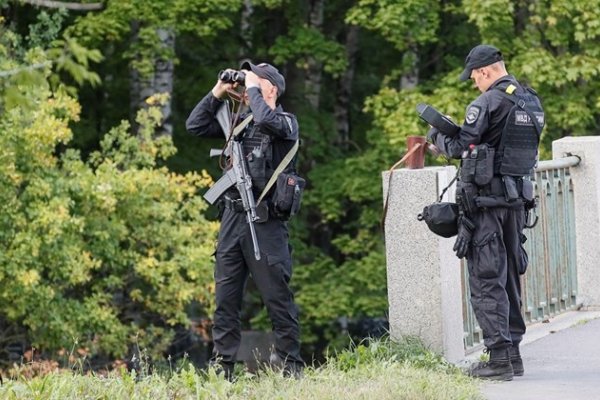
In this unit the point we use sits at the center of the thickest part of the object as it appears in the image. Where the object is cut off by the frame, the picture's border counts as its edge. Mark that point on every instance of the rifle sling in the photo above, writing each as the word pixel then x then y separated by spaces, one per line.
pixel 242 125
pixel 282 165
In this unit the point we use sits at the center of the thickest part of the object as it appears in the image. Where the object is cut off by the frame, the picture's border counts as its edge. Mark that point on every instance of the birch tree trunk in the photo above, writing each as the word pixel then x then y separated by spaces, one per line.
pixel 410 78
pixel 160 81
pixel 246 28
pixel 314 71
pixel 344 88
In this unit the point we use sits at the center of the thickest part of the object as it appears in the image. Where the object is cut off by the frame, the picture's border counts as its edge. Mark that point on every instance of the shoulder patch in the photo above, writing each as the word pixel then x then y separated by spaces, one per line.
pixel 472 115
pixel 510 89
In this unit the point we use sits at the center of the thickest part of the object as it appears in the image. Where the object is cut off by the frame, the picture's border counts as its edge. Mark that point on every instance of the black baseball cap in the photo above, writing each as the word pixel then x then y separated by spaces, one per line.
pixel 268 72
pixel 480 56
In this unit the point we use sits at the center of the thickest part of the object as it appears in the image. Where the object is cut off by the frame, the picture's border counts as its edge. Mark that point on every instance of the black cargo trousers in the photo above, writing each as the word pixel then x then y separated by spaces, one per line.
pixel 495 261
pixel 272 273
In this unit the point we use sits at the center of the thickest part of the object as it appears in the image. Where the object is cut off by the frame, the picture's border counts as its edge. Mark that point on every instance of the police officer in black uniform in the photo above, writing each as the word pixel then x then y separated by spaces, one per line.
pixel 497 144
pixel 267 140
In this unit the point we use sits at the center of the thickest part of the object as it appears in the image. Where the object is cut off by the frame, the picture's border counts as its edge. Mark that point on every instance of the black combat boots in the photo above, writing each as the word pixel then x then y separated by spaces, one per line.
pixel 516 360
pixel 498 368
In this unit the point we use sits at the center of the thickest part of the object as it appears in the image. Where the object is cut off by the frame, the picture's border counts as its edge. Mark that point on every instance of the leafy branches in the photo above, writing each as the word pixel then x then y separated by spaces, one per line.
pixel 404 23
pixel 96 250
pixel 304 42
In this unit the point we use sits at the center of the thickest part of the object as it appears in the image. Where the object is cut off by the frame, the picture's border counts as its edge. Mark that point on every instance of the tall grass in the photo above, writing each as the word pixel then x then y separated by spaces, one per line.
pixel 372 370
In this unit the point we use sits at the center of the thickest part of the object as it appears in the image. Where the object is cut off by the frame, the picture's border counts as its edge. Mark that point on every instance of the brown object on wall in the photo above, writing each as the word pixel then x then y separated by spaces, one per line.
pixel 417 159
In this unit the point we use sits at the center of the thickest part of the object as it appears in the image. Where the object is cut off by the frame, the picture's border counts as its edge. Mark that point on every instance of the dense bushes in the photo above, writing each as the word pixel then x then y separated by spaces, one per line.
pixel 104 252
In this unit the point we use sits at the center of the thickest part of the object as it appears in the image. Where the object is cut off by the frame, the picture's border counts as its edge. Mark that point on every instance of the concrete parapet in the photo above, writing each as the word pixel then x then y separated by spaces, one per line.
pixel 424 275
pixel 586 184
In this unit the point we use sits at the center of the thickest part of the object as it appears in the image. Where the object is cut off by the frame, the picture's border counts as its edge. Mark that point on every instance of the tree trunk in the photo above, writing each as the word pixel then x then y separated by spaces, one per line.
pixel 521 16
pixel 159 81
pixel 246 28
pixel 314 70
pixel 65 5
pixel 410 77
pixel 344 88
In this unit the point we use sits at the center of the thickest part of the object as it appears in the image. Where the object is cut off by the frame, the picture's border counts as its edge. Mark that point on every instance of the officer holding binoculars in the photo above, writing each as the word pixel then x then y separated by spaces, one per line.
pixel 266 141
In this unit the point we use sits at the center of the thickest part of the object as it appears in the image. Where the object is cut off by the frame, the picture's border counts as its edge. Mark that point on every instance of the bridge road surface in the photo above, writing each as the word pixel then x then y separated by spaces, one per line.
pixel 562 362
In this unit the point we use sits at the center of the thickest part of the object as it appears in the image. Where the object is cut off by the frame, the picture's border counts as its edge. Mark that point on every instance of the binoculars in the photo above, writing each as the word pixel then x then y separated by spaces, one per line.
pixel 232 76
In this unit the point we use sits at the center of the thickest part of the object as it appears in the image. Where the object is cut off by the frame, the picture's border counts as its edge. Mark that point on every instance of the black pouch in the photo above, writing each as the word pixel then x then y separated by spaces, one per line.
pixel 257 170
pixel 288 195
pixel 527 190
pixel 484 168
pixel 441 218
pixel 467 169
pixel 511 193
pixel 528 195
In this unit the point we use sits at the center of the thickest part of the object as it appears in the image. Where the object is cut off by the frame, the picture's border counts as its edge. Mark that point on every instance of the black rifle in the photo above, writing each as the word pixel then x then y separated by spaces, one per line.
pixel 238 173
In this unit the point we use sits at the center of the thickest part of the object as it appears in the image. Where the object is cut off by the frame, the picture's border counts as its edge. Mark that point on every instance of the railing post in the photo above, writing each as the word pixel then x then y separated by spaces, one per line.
pixel 586 186
pixel 424 275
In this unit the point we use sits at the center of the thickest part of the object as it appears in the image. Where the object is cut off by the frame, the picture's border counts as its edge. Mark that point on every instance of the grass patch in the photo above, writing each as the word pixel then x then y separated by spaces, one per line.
pixel 371 370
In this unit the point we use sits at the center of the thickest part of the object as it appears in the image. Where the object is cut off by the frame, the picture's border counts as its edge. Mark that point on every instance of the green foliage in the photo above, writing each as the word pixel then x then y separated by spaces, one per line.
pixel 410 350
pixel 271 4
pixel 106 252
pixel 202 18
pixel 352 281
pixel 403 23
pixel 494 20
pixel 23 69
pixel 550 52
pixel 14 75
pixel 46 29
pixel 74 59
pixel 304 42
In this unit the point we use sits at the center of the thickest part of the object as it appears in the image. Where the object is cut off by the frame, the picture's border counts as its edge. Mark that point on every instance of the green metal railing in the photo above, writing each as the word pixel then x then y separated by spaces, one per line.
pixel 550 284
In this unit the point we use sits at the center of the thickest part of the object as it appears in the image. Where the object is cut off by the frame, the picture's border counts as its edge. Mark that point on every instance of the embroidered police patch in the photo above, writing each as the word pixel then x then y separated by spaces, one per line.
pixel 472 115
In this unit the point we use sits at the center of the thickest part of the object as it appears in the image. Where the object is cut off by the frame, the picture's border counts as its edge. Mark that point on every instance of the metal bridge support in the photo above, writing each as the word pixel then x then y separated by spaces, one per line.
pixel 586 183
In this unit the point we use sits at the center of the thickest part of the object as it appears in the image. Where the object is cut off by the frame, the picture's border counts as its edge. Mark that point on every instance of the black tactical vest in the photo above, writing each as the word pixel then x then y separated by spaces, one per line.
pixel 259 154
pixel 518 149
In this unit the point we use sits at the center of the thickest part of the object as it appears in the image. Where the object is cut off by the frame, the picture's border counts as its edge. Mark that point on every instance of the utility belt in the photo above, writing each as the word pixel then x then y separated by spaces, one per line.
pixel 510 187
pixel 263 211
pixel 504 191
pixel 478 177
pixel 233 204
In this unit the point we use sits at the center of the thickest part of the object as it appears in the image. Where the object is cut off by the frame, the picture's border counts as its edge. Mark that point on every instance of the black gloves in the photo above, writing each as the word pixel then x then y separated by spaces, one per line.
pixel 464 236
pixel 432 135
